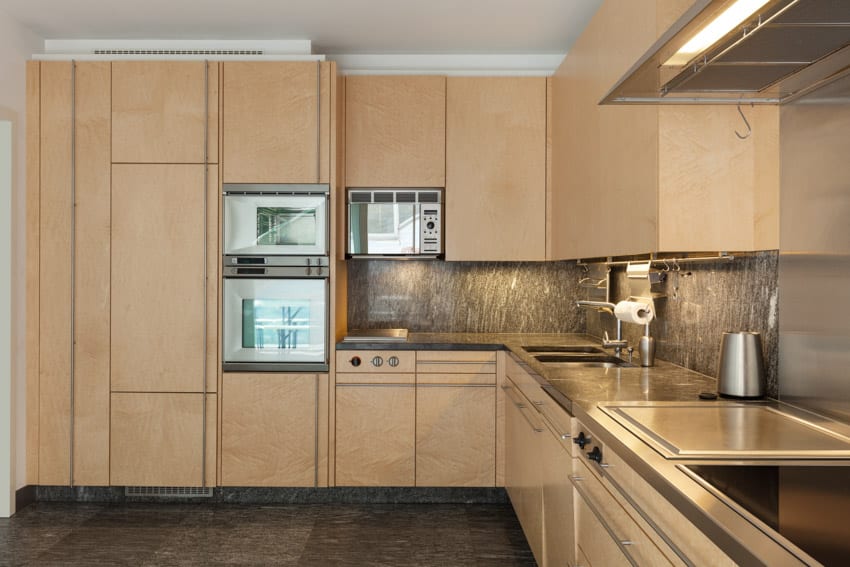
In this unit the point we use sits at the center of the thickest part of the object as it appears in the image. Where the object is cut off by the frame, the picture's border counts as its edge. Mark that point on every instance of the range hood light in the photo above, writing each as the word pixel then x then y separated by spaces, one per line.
pixel 733 16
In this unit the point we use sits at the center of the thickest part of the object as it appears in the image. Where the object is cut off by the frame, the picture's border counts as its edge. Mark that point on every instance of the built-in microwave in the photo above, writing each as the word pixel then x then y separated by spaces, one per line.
pixel 393 223
pixel 274 221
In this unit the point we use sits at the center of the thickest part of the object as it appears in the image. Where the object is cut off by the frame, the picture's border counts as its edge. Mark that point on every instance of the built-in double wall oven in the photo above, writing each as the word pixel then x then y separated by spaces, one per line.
pixel 275 289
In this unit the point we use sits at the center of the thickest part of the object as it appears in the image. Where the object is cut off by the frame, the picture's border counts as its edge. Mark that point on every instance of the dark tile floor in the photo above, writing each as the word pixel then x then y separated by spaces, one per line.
pixel 444 535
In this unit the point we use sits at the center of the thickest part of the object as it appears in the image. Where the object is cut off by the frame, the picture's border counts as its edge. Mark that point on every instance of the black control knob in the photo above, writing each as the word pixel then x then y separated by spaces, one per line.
pixel 430 225
pixel 356 362
pixel 595 455
pixel 582 440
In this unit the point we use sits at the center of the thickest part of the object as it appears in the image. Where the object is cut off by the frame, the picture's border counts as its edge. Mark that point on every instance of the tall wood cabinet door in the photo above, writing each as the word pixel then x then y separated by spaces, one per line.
pixel 558 509
pixel 395 131
pixel 274 130
pixel 269 430
pixel 158 278
pixel 160 440
pixel 496 168
pixel 455 435
pixel 375 435
pixel 164 111
pixel 73 286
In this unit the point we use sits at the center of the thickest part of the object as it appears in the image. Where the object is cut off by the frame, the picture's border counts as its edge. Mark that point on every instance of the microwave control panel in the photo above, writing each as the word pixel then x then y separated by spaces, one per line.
pixel 431 237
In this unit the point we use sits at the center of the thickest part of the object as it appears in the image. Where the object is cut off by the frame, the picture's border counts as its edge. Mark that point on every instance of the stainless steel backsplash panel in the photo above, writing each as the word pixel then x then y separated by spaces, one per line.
pixel 814 262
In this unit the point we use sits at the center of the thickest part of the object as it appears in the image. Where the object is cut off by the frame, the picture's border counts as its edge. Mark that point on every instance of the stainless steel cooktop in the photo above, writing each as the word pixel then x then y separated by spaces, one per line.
pixel 729 430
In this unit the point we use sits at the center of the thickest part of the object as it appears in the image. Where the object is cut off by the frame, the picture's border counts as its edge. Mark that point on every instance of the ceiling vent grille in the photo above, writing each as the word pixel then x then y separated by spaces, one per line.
pixel 169 491
pixel 178 52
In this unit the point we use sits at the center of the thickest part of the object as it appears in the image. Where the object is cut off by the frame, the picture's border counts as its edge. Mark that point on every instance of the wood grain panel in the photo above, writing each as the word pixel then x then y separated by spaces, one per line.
pixel 157 279
pixel 456 378
pixel 395 131
pixel 33 222
pixel 455 436
pixel 709 180
pixel 496 168
pixel 157 439
pixel 326 120
pixel 375 435
pixel 456 356
pixel 159 109
pixel 558 516
pixel 269 430
pixel 92 287
pixel 55 275
pixel 322 430
pixel 456 362
pixel 406 358
pixel 500 418
pixel 270 122
pixel 374 378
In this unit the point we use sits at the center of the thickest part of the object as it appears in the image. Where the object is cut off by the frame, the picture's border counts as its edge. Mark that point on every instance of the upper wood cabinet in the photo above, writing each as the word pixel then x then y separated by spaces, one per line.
pixel 633 179
pixel 164 111
pixel 395 131
pixel 496 168
pixel 276 122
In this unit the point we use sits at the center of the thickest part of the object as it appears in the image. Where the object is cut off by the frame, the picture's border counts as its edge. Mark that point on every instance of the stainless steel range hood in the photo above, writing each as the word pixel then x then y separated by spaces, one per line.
pixel 784 50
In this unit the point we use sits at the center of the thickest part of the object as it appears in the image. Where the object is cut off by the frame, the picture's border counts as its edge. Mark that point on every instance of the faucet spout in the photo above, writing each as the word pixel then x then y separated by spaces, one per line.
pixel 619 343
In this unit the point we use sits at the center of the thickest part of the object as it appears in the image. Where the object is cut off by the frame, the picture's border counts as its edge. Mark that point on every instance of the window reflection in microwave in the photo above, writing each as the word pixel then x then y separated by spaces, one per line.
pixel 286 226
pixel 275 323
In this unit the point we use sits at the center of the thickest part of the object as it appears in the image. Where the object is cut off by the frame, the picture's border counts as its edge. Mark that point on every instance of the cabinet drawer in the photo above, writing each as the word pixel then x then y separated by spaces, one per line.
pixel 362 361
pixel 558 420
pixel 456 362
pixel 456 379
pixel 624 532
pixel 526 383
pixel 375 378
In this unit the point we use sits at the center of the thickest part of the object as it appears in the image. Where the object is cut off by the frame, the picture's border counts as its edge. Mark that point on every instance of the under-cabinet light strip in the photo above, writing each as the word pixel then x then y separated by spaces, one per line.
pixel 206 275
pixel 73 262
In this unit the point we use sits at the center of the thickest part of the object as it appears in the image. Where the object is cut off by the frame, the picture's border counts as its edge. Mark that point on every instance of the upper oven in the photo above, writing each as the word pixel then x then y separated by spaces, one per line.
pixel 264 220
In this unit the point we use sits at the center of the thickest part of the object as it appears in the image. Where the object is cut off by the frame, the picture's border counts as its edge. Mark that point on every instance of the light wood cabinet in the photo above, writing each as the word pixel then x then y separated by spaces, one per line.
pixel 496 168
pixel 375 435
pixel 159 299
pixel 633 179
pixel 395 131
pixel 276 122
pixel 162 440
pixel 164 112
pixel 558 507
pixel 270 429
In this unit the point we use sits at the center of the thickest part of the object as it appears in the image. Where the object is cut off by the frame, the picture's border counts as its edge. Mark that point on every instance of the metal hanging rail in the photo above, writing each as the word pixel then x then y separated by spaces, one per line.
pixel 667 262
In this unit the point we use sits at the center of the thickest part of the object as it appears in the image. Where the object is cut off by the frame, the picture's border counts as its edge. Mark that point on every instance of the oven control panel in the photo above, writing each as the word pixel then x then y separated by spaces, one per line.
pixel 431 235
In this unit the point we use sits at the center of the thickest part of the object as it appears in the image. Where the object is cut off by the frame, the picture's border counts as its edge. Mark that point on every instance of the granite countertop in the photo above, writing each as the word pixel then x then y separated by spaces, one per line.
pixel 578 385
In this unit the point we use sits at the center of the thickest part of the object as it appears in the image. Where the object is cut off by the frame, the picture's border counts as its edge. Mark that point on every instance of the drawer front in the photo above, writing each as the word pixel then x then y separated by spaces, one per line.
pixel 595 546
pixel 559 421
pixel 634 543
pixel 374 378
pixel 456 379
pixel 362 361
pixel 526 383
pixel 455 362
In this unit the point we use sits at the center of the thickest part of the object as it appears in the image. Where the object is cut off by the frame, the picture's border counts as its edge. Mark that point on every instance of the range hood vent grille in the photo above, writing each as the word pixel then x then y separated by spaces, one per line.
pixel 213 52
pixel 783 51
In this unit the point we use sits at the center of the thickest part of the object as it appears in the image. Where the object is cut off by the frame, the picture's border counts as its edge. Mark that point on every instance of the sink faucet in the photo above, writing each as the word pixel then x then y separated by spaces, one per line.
pixel 619 343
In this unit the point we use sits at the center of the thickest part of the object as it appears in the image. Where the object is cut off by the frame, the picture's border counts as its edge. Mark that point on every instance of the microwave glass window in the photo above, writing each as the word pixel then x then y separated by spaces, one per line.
pixel 275 324
pixel 286 226
pixel 390 228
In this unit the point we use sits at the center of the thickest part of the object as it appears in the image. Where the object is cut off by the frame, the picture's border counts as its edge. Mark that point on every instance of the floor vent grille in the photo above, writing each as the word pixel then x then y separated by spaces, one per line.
pixel 169 491
pixel 178 51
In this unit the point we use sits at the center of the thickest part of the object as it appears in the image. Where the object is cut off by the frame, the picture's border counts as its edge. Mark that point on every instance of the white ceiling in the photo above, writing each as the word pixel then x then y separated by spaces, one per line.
pixel 334 26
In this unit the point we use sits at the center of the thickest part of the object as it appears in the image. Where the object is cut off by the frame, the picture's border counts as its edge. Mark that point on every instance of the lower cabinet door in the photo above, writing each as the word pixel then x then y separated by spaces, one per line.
pixel 375 435
pixel 558 510
pixel 455 435
pixel 160 440
pixel 269 425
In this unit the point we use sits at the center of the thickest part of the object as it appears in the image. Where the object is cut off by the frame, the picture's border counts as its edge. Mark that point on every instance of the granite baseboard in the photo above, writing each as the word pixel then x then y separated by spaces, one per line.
pixel 25 496
pixel 261 495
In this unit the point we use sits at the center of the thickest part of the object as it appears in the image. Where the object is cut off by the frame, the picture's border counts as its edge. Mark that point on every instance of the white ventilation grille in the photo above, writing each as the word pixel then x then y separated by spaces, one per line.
pixel 212 52
pixel 169 491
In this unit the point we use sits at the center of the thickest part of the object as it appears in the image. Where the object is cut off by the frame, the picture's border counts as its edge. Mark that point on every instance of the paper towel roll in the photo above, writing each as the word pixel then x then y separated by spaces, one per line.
pixel 634 312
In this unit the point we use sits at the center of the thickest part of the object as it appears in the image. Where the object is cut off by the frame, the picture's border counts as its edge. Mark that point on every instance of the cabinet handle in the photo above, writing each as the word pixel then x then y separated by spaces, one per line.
pixel 537 403
pixel 622 544
pixel 679 553
pixel 534 428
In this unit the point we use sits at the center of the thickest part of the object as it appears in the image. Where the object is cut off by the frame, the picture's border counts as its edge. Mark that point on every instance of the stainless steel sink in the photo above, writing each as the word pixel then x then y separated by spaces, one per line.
pixel 563 349
pixel 592 360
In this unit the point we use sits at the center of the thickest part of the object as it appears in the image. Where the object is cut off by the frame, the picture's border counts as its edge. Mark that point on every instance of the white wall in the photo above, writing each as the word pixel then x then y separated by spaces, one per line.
pixel 16 45
pixel 7 389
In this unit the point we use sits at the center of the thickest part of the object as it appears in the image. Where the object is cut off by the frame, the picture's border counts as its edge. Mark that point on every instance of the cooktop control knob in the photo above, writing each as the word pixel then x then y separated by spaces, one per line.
pixel 595 455
pixel 582 440
pixel 393 361
pixel 355 361
pixel 377 361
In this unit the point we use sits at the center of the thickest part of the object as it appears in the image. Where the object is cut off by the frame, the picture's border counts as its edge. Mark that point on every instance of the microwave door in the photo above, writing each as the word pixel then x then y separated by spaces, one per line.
pixel 383 228
pixel 275 225
pixel 272 323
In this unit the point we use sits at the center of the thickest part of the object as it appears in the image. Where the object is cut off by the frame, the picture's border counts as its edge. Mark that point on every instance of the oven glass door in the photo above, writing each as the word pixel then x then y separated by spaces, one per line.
pixel 290 225
pixel 275 321
pixel 383 228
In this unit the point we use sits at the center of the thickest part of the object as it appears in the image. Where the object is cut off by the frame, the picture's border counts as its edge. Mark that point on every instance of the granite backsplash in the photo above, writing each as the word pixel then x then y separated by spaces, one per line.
pixel 702 301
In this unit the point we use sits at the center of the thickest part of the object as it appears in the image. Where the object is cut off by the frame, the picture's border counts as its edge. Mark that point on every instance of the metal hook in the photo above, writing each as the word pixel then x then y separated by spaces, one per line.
pixel 676 265
pixel 666 266
pixel 744 118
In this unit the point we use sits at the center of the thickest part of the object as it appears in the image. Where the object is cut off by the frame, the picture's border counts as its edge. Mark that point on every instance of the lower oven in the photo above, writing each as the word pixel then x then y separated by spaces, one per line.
pixel 275 319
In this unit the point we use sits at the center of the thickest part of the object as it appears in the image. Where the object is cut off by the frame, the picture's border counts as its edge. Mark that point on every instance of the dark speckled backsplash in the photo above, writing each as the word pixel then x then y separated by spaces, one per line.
pixel 473 297
pixel 503 297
